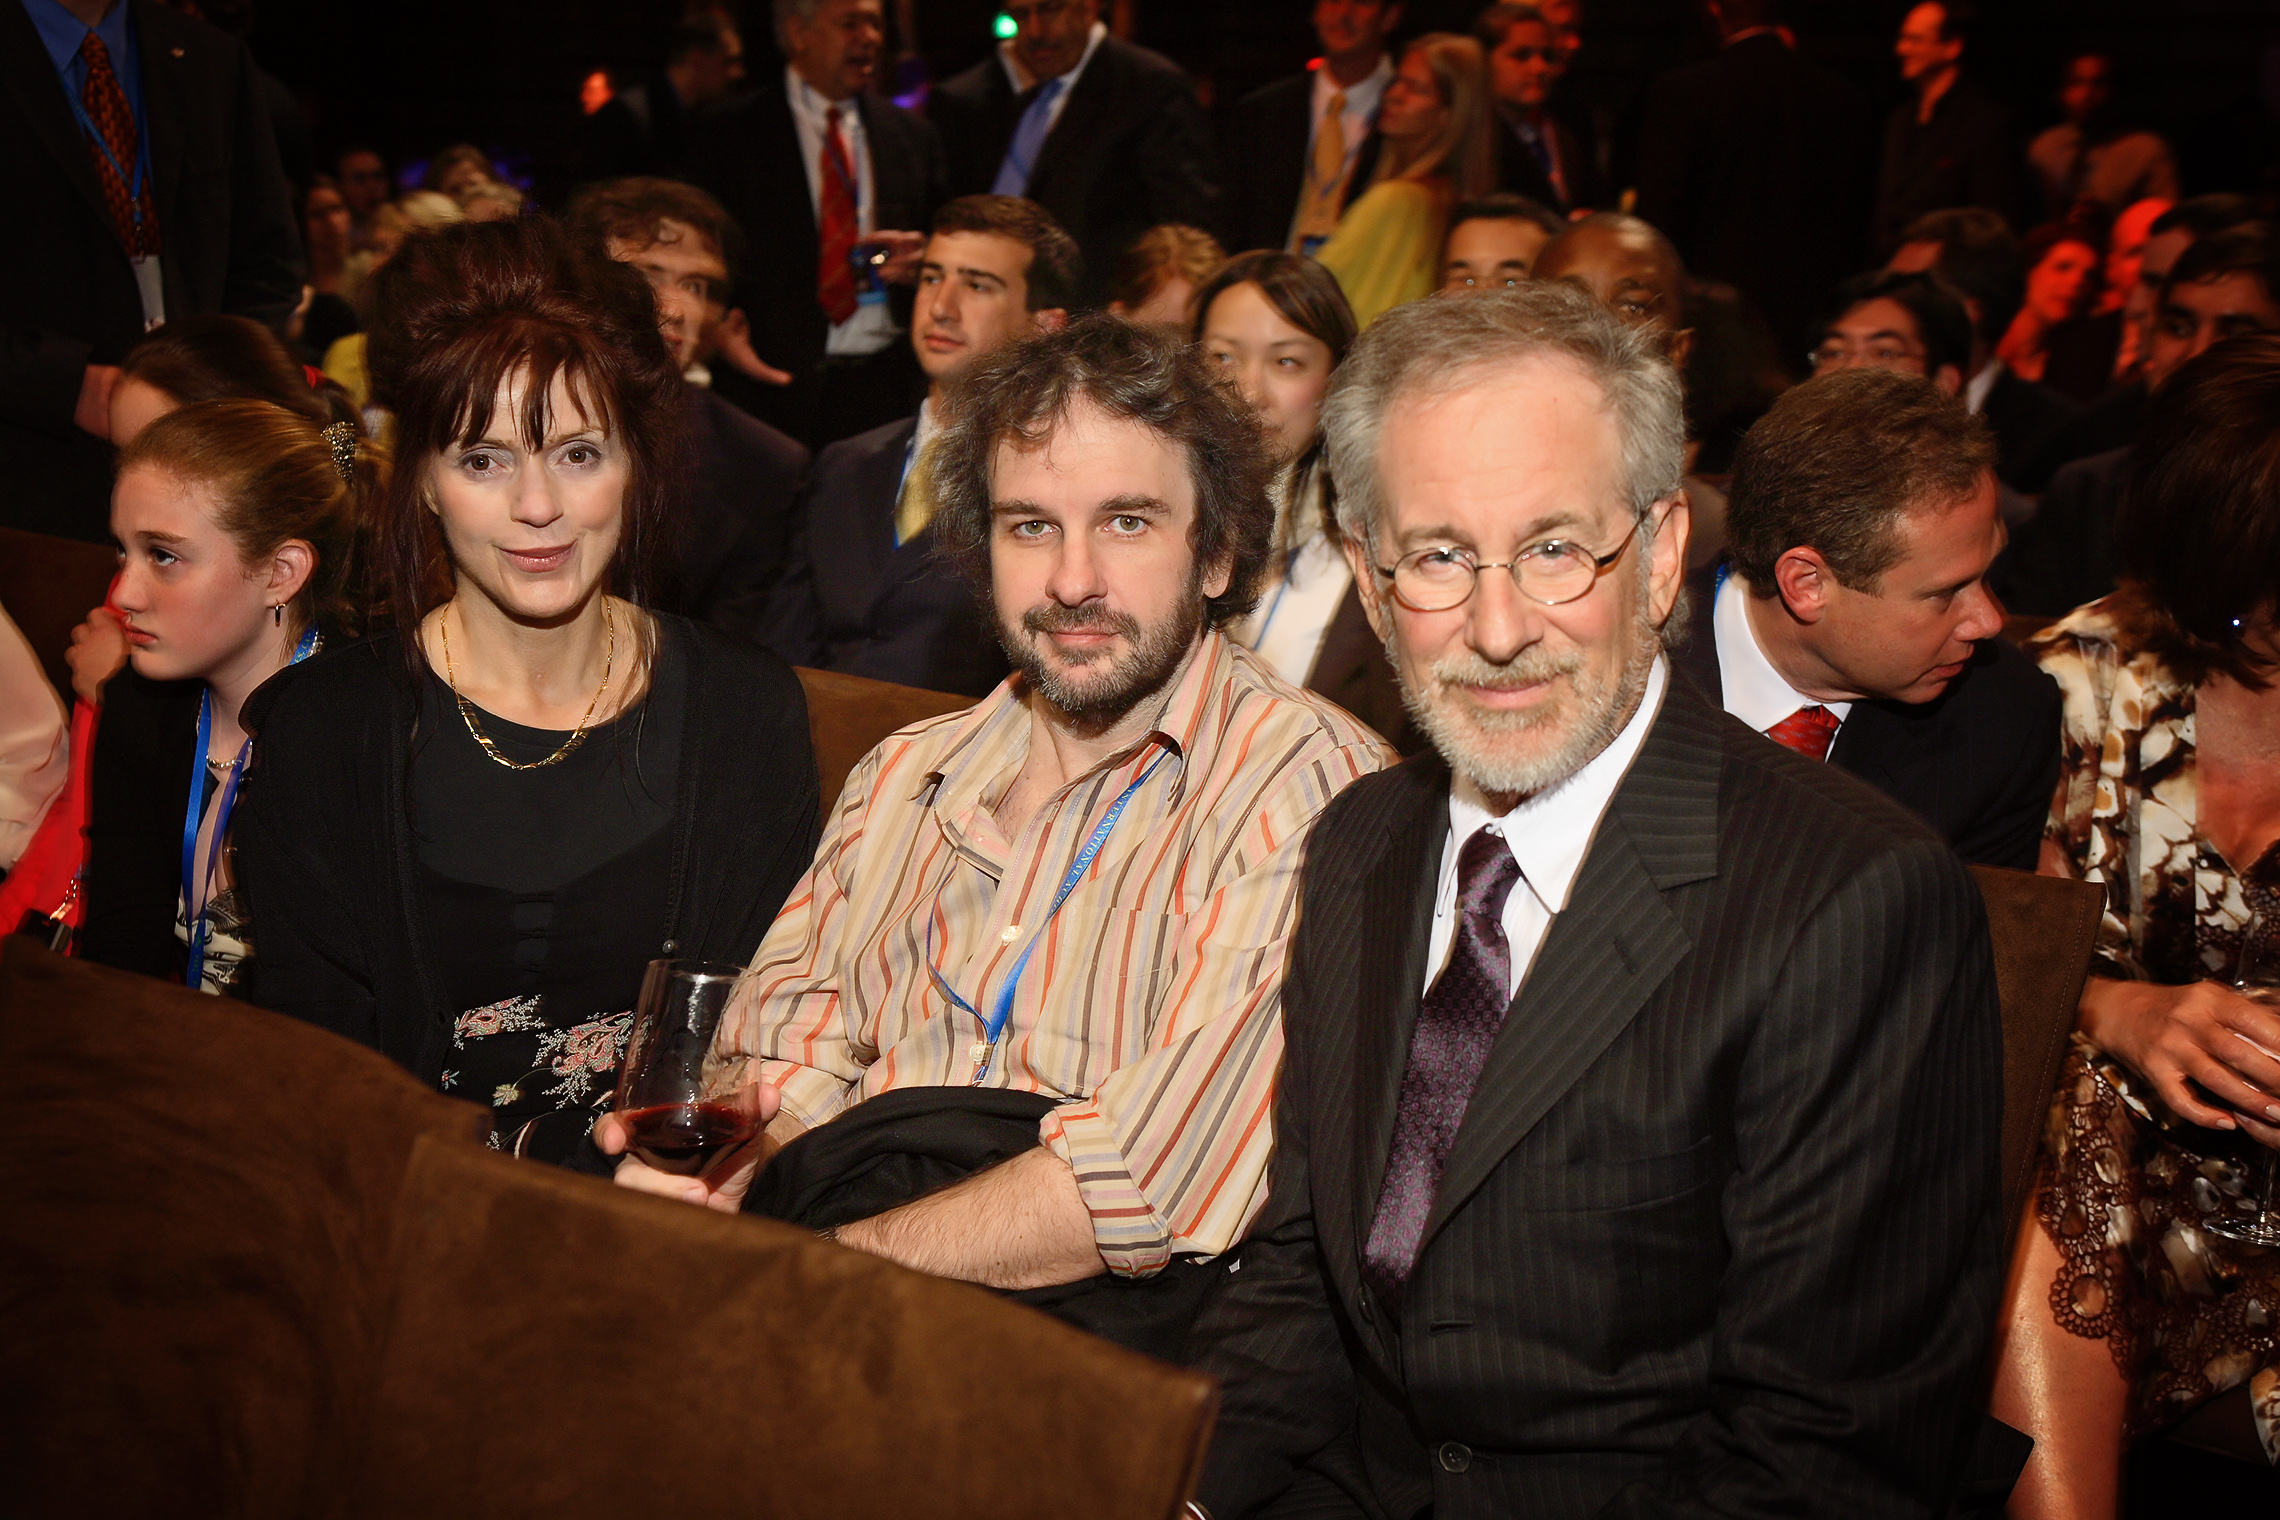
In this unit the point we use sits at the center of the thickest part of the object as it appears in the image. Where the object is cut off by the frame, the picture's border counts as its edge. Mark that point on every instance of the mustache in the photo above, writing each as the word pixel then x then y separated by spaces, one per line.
pixel 1054 617
pixel 1530 667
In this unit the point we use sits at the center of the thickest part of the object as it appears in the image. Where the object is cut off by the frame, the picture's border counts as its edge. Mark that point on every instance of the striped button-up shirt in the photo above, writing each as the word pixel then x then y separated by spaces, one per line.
pixel 1151 1004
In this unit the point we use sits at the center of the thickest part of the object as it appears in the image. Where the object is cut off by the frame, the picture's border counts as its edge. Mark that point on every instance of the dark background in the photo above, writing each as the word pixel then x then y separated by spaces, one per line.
pixel 411 76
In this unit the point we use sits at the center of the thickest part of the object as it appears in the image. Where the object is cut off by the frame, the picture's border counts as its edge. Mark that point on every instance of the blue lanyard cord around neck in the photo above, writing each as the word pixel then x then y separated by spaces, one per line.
pixel 134 183
pixel 1002 1008
pixel 194 880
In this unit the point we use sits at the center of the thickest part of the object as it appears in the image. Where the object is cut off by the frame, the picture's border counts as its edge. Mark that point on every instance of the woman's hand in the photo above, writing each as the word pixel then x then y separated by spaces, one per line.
pixel 98 649
pixel 2205 1032
pixel 723 1184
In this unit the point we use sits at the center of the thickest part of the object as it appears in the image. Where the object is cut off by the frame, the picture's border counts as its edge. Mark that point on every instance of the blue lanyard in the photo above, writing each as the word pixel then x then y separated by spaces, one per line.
pixel 103 145
pixel 194 814
pixel 1002 1008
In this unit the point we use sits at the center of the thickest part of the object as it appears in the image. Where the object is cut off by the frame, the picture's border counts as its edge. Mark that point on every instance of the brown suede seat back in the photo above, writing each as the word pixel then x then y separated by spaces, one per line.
pixel 2043 928
pixel 566 1349
pixel 849 715
pixel 49 585
pixel 196 1203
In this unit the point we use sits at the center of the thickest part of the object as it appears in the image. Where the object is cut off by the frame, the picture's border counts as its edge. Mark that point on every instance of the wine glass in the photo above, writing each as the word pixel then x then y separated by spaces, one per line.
pixel 2257 978
pixel 673 1121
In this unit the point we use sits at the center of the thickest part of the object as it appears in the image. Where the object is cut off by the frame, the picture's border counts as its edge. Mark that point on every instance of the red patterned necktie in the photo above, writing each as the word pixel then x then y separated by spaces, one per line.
pixel 1807 731
pixel 1456 1025
pixel 834 275
pixel 107 108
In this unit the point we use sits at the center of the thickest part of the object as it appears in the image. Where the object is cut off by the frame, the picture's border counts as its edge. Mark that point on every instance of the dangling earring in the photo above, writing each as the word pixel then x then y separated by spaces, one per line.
pixel 278 612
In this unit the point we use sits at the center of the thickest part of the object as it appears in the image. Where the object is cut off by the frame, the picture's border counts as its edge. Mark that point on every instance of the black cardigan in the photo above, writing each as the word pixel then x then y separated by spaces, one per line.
pixel 324 841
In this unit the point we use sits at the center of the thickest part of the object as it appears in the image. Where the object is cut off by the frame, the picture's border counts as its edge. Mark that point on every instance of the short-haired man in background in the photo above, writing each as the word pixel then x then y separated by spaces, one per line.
pixel 1538 154
pixel 644 127
pixel 1493 242
pixel 1911 324
pixel 863 591
pixel 1059 916
pixel 1852 621
pixel 1603 1179
pixel 735 503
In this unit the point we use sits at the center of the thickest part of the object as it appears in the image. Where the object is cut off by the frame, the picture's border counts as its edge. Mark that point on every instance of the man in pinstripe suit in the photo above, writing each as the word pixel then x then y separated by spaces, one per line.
pixel 1636 1142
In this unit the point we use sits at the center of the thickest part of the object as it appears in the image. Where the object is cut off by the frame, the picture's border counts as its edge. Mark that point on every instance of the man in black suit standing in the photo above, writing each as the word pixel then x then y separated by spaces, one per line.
pixel 144 184
pixel 863 590
pixel 1949 143
pixel 1108 137
pixel 1635 1150
pixel 733 513
pixel 1756 164
pixel 1852 622
pixel 816 139
pixel 1305 137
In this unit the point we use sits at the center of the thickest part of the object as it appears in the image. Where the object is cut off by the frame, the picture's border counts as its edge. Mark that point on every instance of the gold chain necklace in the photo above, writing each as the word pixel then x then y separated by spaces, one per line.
pixel 467 708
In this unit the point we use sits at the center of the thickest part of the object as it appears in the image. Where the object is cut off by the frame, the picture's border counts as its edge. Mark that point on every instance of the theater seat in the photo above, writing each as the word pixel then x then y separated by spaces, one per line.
pixel 566 1349
pixel 199 1202
pixel 849 715
pixel 48 586
pixel 250 1269
pixel 2043 929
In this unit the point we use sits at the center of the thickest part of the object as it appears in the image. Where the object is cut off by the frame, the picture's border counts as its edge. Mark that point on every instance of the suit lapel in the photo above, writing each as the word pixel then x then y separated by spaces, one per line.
pixel 1081 127
pixel 39 94
pixel 162 98
pixel 1608 951
pixel 1397 913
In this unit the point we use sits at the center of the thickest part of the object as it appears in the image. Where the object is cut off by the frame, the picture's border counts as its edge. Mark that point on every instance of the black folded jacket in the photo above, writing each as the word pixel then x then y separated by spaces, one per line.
pixel 914 1141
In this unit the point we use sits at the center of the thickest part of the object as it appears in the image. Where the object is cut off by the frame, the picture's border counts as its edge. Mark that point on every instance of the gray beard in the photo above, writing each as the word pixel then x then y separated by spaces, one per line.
pixel 1468 740
pixel 1148 664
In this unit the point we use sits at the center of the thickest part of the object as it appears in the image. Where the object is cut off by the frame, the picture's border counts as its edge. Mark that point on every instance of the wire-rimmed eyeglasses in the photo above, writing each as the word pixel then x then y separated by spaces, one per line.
pixel 1549 573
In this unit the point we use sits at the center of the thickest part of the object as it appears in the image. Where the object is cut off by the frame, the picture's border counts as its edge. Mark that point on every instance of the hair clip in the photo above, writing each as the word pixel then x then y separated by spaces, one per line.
pixel 342 437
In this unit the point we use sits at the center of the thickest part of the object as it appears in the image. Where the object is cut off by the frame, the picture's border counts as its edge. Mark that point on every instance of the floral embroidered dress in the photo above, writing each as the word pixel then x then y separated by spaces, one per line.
pixel 545 894
pixel 2131 1186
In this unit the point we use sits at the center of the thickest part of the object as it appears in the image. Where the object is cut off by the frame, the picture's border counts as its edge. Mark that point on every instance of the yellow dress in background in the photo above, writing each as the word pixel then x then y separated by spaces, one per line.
pixel 1387 249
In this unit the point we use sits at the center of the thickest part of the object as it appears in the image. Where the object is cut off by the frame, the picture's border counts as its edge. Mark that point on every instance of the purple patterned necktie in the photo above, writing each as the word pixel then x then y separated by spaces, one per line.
pixel 1456 1024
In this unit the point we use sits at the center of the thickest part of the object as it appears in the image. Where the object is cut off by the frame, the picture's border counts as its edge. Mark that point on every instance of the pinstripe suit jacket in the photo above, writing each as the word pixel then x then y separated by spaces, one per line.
pixel 1720 1232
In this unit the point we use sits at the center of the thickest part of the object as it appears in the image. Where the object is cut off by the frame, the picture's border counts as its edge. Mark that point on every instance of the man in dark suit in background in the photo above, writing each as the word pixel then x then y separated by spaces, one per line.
pixel 1756 164
pixel 733 512
pixel 644 127
pixel 1108 137
pixel 1949 143
pixel 815 139
pixel 1299 155
pixel 1538 154
pixel 1635 1149
pixel 863 590
pixel 1852 620
pixel 144 184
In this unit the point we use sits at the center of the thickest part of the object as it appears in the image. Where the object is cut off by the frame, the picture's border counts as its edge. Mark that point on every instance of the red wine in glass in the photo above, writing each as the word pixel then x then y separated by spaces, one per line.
pixel 683 1138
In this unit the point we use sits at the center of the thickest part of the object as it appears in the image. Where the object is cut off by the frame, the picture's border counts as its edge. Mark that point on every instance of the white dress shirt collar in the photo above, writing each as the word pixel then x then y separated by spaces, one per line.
pixel 1755 692
pixel 1975 393
pixel 1362 99
pixel 1549 834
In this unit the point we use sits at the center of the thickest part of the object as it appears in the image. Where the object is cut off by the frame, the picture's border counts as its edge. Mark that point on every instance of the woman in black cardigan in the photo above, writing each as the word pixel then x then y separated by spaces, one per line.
pixel 466 839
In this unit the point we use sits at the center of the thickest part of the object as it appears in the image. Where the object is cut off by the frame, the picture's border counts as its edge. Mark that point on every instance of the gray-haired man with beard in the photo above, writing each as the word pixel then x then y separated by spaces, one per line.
pixel 1636 1144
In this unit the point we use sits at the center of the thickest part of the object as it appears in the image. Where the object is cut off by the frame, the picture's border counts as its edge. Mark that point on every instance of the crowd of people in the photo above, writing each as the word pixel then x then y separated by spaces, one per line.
pixel 1448 907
